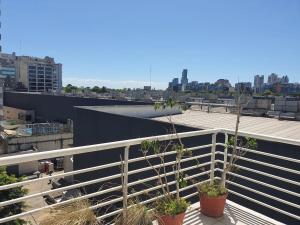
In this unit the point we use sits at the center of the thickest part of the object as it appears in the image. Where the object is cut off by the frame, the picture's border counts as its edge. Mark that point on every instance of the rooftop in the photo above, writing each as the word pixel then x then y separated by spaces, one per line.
pixel 140 111
pixel 234 214
pixel 259 125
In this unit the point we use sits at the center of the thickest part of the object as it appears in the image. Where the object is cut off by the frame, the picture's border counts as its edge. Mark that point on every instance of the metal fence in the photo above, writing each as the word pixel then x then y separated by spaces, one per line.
pixel 211 155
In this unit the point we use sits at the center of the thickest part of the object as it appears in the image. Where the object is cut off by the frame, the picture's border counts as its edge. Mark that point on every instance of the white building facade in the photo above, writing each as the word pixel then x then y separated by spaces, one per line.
pixel 37 74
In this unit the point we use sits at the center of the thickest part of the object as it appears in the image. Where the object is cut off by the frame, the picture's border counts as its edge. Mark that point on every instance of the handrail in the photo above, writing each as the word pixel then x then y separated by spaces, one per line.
pixel 12 160
pixel 263 137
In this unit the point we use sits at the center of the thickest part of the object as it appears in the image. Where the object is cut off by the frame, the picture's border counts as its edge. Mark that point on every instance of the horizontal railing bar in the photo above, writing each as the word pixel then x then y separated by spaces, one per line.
pixel 265 205
pixel 167 174
pixel 262 137
pixel 266 164
pixel 267 154
pixel 73 186
pixel 151 200
pixel 66 174
pixel 265 184
pixel 16 200
pixel 12 160
pixel 169 164
pixel 264 194
pixel 166 153
pixel 26 182
pixel 2 220
pixel 149 190
pixel 269 175
pixel 107 215
pixel 20 215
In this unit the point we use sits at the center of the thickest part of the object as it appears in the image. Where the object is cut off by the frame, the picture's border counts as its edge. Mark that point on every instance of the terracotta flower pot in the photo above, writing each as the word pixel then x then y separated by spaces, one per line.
pixel 171 220
pixel 212 206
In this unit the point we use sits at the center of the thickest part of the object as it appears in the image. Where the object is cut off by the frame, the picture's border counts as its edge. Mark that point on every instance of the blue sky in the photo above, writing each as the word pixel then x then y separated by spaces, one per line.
pixel 115 42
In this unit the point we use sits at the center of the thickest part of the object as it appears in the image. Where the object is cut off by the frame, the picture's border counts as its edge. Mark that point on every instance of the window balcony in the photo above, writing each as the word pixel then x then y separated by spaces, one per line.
pixel 265 188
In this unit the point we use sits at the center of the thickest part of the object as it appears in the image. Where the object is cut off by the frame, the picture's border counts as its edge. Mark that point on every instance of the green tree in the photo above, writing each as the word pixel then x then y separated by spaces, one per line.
pixel 69 88
pixel 11 194
pixel 268 93
pixel 96 89
pixel 103 89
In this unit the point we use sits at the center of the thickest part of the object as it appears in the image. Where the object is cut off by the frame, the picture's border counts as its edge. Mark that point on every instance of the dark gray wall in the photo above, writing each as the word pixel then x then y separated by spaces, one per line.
pixel 91 127
pixel 55 108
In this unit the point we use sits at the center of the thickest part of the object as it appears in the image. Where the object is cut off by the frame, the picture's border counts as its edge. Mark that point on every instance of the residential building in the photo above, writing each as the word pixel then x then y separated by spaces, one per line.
pixel 175 81
pixel 259 83
pixel 193 86
pixel 223 83
pixel 245 87
pixel 35 74
pixel 8 71
pixel 147 88
pixel 273 78
pixel 40 75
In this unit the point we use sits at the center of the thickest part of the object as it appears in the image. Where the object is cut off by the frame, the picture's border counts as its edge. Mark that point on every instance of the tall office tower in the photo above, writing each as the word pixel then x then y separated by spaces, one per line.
pixel 259 83
pixel 35 74
pixel 184 80
pixel 175 82
pixel 273 78
pixel 284 80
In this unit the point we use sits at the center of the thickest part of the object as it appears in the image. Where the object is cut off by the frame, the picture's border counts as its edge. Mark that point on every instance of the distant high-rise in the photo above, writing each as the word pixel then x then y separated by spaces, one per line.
pixel 184 79
pixel 273 78
pixel 284 80
pixel 175 82
pixel 259 83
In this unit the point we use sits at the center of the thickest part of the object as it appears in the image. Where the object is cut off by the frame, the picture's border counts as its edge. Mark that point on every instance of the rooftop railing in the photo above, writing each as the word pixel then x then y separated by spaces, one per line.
pixel 263 178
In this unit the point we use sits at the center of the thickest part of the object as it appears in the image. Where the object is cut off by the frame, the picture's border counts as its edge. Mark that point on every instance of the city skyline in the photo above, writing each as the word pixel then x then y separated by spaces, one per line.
pixel 230 40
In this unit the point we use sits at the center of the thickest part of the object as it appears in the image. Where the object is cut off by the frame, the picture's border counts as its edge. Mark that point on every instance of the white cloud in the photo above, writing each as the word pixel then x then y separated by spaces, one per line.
pixel 112 83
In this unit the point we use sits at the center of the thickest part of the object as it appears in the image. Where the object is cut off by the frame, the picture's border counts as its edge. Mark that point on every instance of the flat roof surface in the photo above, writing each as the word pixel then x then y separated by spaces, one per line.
pixel 234 214
pixel 259 125
pixel 140 111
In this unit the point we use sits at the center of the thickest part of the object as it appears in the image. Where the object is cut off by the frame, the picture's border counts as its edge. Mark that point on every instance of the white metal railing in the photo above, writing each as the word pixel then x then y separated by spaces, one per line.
pixel 218 154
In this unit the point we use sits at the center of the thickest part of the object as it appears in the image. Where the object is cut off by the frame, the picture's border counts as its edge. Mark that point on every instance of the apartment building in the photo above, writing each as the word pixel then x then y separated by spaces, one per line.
pixel 36 74
pixel 8 71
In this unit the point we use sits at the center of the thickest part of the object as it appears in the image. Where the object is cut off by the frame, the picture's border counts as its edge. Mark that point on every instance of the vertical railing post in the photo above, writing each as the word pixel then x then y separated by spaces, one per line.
pixel 125 182
pixel 213 158
pixel 225 159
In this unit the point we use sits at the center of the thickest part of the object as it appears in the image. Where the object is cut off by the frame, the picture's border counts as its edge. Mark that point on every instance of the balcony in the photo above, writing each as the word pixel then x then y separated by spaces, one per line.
pixel 264 190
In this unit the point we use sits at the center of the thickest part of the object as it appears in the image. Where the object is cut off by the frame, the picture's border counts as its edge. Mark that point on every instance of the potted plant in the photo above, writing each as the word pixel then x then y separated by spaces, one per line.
pixel 213 194
pixel 170 208
pixel 212 199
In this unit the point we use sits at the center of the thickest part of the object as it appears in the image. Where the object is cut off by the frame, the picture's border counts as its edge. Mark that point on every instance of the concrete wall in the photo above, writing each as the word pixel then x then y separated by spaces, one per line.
pixel 285 105
pixel 42 143
pixel 55 108
pixel 11 113
pixel 259 103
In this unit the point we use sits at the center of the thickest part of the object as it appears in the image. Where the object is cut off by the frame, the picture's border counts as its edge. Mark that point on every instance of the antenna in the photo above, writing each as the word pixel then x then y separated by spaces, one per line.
pixel 150 71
